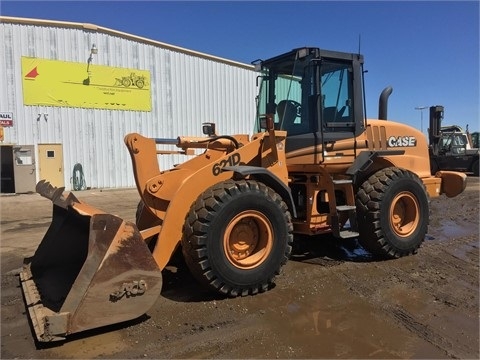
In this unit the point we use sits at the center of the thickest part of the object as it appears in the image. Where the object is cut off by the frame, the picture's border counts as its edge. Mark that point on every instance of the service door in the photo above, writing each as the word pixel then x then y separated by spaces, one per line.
pixel 24 168
pixel 50 164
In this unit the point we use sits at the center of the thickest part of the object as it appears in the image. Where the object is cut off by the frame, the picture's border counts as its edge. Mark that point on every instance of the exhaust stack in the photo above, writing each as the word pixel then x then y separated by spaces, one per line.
pixel 383 103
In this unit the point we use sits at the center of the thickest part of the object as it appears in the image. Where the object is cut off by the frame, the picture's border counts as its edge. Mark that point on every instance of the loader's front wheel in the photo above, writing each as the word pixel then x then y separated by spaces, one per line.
pixel 237 236
pixel 392 207
pixel 248 239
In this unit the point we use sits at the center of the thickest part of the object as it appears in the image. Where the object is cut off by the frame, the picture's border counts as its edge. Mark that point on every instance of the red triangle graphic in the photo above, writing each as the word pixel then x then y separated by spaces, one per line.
pixel 33 73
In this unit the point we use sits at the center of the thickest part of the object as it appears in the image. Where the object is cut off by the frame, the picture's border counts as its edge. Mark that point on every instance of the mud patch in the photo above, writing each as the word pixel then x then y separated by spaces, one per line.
pixel 102 345
pixel 28 226
pixel 330 301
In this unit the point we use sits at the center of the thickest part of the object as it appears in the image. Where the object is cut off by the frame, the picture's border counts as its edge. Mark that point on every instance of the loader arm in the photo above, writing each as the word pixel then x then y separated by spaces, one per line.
pixel 168 195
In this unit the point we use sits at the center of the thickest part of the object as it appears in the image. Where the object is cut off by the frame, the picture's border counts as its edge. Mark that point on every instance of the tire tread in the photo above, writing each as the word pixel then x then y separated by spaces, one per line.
pixel 197 226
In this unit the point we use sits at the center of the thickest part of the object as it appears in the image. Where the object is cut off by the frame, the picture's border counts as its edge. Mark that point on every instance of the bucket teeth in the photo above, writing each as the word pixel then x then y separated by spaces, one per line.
pixel 47 190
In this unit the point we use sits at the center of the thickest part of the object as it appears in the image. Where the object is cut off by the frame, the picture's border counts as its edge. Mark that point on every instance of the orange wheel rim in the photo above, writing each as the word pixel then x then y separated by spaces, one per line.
pixel 404 214
pixel 248 239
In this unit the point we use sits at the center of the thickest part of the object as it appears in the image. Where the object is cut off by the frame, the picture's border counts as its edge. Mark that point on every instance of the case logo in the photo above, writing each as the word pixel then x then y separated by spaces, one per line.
pixel 133 288
pixel 402 141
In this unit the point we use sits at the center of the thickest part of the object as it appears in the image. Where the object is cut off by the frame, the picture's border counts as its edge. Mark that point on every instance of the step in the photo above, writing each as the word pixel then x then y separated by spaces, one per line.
pixel 346 207
pixel 342 181
pixel 347 234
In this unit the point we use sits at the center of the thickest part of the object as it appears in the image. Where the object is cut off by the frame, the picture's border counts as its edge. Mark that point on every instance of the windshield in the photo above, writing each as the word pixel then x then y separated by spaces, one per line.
pixel 281 95
pixel 286 106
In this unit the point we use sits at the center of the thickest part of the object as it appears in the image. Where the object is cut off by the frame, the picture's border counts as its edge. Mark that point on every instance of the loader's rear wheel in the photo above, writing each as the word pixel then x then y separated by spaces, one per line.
pixel 392 207
pixel 237 236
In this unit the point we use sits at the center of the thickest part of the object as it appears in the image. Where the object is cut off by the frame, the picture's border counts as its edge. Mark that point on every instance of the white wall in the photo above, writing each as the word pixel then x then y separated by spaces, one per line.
pixel 187 88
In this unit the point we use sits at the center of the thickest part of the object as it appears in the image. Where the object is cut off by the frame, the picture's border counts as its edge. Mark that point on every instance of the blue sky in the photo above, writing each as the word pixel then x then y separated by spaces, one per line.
pixel 427 51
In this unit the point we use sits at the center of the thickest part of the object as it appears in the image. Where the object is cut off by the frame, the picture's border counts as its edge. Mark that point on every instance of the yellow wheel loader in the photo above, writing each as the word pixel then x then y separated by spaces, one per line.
pixel 315 165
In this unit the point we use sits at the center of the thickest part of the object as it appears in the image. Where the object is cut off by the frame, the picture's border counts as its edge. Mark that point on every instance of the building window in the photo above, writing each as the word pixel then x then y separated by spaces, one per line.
pixel 22 156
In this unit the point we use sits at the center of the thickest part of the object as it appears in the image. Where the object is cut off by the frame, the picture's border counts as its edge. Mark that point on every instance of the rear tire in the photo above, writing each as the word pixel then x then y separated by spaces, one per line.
pixel 392 207
pixel 237 236
pixel 475 168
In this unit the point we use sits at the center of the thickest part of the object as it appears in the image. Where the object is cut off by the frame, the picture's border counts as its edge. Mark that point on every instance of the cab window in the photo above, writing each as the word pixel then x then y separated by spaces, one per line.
pixel 336 89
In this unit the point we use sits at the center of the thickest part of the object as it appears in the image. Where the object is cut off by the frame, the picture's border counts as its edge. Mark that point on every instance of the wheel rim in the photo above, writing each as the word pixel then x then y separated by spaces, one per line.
pixel 404 214
pixel 248 239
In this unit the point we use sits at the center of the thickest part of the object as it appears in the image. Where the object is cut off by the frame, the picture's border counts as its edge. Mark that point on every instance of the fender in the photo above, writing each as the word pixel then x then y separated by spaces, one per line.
pixel 269 179
pixel 366 158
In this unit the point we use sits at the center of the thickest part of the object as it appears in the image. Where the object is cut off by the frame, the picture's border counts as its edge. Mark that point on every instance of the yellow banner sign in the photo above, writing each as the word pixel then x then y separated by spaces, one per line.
pixel 87 85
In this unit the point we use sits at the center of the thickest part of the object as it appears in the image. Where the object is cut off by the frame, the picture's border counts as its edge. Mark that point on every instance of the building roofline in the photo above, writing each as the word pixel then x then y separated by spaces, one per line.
pixel 101 29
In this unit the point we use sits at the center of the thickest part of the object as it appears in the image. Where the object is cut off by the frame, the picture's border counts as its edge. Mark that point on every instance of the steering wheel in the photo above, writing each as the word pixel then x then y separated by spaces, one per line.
pixel 297 106
pixel 290 107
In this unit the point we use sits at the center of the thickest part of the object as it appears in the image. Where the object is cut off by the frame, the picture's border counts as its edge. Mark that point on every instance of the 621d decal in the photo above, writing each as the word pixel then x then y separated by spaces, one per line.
pixel 232 160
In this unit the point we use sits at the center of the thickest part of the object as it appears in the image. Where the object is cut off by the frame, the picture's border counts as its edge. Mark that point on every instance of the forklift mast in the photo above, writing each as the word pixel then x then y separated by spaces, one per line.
pixel 434 132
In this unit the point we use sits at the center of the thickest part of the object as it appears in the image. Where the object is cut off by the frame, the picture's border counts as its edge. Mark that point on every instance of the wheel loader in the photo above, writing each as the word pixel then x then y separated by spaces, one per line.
pixel 314 165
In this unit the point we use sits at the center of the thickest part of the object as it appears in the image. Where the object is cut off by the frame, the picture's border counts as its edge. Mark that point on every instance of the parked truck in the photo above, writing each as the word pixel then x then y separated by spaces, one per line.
pixel 451 148
pixel 314 166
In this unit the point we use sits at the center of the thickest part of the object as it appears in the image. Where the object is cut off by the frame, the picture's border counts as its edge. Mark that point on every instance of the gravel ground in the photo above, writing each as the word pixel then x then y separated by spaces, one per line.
pixel 330 301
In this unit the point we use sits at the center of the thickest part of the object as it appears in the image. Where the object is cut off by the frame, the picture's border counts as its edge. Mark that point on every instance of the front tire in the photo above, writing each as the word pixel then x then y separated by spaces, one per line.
pixel 237 236
pixel 392 207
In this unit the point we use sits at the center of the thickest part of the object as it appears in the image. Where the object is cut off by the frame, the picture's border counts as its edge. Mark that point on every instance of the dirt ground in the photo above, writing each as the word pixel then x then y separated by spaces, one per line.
pixel 330 301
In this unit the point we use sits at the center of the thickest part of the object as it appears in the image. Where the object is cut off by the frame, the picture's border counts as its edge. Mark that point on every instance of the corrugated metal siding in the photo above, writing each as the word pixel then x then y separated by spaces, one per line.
pixel 186 91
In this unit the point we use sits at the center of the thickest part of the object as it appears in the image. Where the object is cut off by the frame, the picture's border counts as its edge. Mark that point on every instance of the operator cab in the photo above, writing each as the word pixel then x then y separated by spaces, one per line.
pixel 315 95
pixel 453 143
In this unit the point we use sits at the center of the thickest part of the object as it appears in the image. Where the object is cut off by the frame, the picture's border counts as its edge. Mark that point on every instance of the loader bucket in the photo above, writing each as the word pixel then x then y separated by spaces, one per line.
pixel 91 269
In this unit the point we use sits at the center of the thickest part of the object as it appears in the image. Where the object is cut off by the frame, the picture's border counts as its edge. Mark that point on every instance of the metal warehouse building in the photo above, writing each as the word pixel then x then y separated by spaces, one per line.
pixel 71 92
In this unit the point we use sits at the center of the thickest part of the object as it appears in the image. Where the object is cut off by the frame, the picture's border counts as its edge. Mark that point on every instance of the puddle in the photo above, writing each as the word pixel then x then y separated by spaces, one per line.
pixel 334 324
pixel 450 229
pixel 356 253
pixel 329 251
